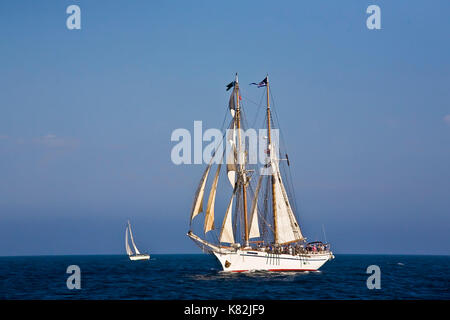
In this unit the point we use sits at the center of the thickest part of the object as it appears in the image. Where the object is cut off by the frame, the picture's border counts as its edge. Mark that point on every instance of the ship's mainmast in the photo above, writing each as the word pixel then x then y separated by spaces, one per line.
pixel 274 204
pixel 241 160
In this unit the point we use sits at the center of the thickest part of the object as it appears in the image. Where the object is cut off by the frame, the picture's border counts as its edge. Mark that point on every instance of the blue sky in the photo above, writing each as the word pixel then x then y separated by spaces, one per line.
pixel 86 118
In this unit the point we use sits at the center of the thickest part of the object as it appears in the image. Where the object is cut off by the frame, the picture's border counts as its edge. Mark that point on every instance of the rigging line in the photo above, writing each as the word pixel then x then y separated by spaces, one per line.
pixel 243 113
pixel 258 105
pixel 260 215
pixel 251 101
pixel 214 234
pixel 281 146
pixel 223 156
pixel 265 221
pixel 252 193
pixel 235 215
pixel 223 152
pixel 259 108
pixel 324 235
pixel 277 120
pixel 223 138
pixel 290 180
pixel 263 218
pixel 266 235
pixel 244 119
pixel 240 212
pixel 218 146
pixel 245 142
pixel 225 117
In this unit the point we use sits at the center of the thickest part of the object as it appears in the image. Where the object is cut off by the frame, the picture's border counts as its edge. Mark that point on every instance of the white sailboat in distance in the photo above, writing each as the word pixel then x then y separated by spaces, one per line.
pixel 268 236
pixel 136 255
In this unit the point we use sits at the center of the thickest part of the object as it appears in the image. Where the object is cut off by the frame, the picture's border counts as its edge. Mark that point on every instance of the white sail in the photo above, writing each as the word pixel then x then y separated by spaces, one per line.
pixel 254 224
pixel 198 202
pixel 232 102
pixel 127 246
pixel 132 240
pixel 288 229
pixel 209 216
pixel 231 155
pixel 227 227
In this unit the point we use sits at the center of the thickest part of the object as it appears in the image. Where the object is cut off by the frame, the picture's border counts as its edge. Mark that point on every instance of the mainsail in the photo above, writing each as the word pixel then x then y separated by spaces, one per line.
pixel 287 229
pixel 127 246
pixel 132 240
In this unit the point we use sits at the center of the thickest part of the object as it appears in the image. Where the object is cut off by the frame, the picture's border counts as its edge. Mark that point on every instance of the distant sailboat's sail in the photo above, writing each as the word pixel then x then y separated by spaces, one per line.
pixel 197 206
pixel 127 246
pixel 288 229
pixel 132 240
pixel 254 225
pixel 209 217
pixel 226 234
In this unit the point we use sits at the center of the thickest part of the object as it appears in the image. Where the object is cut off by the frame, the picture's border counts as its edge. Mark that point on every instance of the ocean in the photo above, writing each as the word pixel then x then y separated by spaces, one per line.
pixel 198 276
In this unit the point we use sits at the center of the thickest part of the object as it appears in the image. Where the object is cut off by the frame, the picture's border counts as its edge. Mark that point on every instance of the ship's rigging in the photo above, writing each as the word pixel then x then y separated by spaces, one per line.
pixel 258 210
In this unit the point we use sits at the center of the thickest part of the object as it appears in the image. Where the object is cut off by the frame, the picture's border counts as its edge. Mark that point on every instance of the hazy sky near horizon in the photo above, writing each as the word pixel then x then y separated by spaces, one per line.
pixel 86 118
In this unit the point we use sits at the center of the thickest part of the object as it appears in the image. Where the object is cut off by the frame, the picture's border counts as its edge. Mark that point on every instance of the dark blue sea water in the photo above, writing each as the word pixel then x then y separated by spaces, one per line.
pixel 178 277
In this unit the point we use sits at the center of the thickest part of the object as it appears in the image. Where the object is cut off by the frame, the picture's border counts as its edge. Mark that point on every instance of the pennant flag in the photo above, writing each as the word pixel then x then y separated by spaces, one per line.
pixel 230 85
pixel 261 84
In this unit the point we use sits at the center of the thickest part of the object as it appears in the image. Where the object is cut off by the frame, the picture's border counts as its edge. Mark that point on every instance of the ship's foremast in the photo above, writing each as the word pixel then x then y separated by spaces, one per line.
pixel 241 161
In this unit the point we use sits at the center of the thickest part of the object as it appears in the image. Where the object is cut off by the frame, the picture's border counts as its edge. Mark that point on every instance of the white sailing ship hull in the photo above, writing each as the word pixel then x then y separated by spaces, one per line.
pixel 252 260
pixel 140 257
pixel 240 260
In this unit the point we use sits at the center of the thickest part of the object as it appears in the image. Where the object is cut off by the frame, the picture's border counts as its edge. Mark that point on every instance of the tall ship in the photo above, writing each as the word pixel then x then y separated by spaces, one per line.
pixel 259 230
pixel 136 254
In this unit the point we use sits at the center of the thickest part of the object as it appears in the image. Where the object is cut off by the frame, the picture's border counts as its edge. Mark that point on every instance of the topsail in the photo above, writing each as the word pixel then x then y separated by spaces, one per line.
pixel 231 154
pixel 232 102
